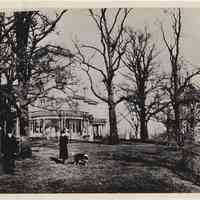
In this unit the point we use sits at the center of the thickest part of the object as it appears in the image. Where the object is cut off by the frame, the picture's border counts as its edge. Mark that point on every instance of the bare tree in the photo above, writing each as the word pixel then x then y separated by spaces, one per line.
pixel 177 81
pixel 31 65
pixel 112 47
pixel 31 28
pixel 144 80
pixel 6 71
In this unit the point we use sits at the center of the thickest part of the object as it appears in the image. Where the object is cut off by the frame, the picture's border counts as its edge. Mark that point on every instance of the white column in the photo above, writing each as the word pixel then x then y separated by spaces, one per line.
pixel 100 130
pixel 43 127
pixel 70 128
pixel 17 128
pixel 90 132
pixel 88 124
pixel 75 126
pixel 63 125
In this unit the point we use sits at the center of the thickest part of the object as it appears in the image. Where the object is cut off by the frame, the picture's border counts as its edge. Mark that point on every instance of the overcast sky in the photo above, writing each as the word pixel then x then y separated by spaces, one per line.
pixel 77 24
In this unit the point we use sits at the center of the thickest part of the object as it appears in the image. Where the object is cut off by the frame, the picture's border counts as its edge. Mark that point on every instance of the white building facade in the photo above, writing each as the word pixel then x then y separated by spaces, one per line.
pixel 79 116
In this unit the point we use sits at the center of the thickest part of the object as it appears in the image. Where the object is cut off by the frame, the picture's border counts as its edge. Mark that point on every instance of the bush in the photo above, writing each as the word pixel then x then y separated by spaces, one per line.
pixel 105 140
pixel 86 137
pixel 24 149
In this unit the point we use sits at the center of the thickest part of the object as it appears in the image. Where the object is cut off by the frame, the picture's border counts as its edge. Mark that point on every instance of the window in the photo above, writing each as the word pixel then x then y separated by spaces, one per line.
pixel 42 102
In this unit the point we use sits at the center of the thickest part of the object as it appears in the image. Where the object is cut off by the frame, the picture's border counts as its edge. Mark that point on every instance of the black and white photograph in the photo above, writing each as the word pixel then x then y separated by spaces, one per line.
pixel 100 100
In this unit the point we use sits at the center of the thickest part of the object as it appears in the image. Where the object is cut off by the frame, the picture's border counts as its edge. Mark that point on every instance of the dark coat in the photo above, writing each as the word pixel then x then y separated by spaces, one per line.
pixel 63 147
pixel 10 146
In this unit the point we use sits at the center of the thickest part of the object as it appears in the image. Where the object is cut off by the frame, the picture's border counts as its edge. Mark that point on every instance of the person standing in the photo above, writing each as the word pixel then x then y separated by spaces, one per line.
pixel 63 154
pixel 1 141
pixel 10 150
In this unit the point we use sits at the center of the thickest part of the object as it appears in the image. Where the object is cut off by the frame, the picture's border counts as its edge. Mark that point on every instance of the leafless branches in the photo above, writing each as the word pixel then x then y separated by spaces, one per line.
pixel 178 83
pixel 29 64
pixel 144 93
pixel 112 48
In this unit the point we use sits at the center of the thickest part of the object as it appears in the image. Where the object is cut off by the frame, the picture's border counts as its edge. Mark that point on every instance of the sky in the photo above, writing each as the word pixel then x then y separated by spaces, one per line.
pixel 76 24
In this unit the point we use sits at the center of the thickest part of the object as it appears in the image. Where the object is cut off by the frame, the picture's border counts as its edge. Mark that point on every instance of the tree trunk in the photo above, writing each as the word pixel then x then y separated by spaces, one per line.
pixel 176 106
pixel 23 22
pixel 143 129
pixel 143 122
pixel 114 138
pixel 179 138
pixel 23 107
pixel 24 122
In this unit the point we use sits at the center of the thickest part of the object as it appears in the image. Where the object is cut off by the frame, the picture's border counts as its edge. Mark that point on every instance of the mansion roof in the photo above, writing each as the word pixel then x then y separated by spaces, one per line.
pixel 65 113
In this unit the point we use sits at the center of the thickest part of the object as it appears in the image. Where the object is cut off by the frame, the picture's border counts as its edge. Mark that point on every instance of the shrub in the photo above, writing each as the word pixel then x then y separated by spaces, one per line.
pixel 25 150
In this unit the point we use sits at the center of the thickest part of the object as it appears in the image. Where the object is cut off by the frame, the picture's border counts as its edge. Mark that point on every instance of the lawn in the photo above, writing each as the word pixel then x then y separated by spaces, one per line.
pixel 110 169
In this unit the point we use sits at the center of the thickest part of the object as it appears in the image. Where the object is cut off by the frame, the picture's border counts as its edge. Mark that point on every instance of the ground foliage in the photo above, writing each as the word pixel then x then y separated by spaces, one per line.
pixel 118 168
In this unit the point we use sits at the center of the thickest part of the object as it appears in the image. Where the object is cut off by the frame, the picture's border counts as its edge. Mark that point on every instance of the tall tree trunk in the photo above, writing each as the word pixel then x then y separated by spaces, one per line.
pixel 176 106
pixel 179 138
pixel 143 122
pixel 23 106
pixel 143 128
pixel 192 123
pixel 114 138
pixel 24 121
pixel 23 22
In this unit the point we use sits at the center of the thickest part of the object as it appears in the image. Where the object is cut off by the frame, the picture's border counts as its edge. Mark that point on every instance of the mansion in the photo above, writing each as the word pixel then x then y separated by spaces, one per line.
pixel 77 113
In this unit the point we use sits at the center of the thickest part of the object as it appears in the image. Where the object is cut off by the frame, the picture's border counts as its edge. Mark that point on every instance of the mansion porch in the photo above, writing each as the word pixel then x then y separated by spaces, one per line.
pixel 81 125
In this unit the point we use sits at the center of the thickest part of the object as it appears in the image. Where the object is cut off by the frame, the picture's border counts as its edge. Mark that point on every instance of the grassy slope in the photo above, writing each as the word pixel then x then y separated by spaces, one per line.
pixel 110 169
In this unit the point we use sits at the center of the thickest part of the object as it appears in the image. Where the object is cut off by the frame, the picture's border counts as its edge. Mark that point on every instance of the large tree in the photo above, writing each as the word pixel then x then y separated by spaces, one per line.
pixel 143 78
pixel 30 29
pixel 110 25
pixel 177 81
pixel 32 62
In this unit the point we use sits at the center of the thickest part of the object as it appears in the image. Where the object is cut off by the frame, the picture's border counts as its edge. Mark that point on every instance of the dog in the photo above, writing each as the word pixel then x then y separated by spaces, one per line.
pixel 80 159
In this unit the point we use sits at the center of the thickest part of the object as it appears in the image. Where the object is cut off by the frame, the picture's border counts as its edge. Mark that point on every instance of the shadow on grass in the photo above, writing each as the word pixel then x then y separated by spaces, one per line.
pixel 56 160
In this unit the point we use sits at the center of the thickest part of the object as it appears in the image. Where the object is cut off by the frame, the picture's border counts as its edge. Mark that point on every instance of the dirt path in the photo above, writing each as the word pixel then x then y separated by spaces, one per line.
pixel 110 169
